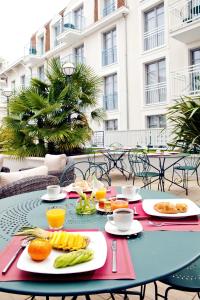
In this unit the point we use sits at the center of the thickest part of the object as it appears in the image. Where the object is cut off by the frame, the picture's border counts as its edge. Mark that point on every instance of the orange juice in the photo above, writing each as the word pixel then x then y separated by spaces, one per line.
pixel 101 194
pixel 119 204
pixel 56 217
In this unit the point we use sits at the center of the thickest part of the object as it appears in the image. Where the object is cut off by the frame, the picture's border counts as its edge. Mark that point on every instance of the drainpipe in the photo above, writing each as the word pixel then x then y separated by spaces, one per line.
pixel 126 72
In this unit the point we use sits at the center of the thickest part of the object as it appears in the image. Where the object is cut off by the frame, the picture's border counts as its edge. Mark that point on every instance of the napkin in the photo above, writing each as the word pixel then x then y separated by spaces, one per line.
pixel 125 268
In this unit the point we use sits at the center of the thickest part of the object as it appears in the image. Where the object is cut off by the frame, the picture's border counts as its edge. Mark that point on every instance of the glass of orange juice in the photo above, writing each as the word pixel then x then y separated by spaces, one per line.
pixel 56 216
pixel 100 194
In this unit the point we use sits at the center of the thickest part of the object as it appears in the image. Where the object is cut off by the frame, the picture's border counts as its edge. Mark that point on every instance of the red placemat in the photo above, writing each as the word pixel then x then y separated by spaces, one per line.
pixel 141 214
pixel 125 268
pixel 111 192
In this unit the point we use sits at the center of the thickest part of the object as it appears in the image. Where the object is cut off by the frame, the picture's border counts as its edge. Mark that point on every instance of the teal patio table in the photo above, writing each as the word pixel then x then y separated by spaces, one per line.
pixel 154 254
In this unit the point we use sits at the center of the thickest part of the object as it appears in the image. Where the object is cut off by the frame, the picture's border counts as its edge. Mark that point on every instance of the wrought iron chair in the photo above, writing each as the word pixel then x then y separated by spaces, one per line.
pixel 84 170
pixel 187 279
pixel 190 165
pixel 140 167
pixel 104 163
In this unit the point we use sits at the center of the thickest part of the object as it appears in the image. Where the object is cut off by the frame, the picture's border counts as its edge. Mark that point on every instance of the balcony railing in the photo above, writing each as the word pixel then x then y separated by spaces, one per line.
pixel 72 58
pixel 183 13
pixel 71 21
pixel 109 56
pixel 156 93
pixel 110 102
pixel 154 38
pixel 186 82
pixel 108 9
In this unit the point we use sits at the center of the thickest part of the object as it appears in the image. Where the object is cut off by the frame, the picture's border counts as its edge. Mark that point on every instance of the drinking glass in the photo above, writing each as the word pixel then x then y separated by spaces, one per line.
pixel 56 217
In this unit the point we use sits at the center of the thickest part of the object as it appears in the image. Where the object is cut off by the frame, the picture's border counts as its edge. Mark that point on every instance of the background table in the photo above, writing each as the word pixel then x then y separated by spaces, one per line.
pixel 154 254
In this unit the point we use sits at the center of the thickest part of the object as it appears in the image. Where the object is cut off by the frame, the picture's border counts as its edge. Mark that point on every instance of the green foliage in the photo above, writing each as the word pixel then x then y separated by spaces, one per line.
pixel 50 117
pixel 185 119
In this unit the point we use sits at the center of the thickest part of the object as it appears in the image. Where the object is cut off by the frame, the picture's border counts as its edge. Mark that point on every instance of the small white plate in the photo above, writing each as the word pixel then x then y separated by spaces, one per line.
pixel 61 196
pixel 136 227
pixel 148 206
pixel 71 188
pixel 136 198
pixel 25 263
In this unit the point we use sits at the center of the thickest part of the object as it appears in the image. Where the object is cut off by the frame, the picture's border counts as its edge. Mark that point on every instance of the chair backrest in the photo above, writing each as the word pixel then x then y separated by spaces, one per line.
pixel 139 162
pixel 84 170
pixel 192 161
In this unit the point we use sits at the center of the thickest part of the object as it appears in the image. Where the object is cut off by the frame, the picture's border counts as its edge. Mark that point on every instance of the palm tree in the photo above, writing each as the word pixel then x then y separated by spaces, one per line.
pixel 54 116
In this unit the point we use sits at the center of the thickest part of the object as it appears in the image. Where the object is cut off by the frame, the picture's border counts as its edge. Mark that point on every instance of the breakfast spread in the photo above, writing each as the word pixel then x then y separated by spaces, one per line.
pixel 170 208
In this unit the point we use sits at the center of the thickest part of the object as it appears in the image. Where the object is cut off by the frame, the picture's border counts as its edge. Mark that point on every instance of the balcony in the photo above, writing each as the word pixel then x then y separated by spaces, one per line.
pixel 31 55
pixel 156 93
pixel 154 38
pixel 109 56
pixel 110 102
pixel 185 82
pixel 71 28
pixel 185 20
pixel 73 58
pixel 108 9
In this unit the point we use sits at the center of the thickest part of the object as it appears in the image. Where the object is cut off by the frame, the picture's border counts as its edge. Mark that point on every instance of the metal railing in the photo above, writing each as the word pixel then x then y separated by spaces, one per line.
pixel 70 21
pixel 110 102
pixel 156 93
pixel 154 38
pixel 132 138
pixel 109 56
pixel 73 58
pixel 183 12
pixel 108 9
pixel 186 82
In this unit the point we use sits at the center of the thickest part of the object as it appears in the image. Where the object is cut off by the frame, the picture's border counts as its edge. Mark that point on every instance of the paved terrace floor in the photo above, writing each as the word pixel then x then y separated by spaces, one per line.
pixel 118 180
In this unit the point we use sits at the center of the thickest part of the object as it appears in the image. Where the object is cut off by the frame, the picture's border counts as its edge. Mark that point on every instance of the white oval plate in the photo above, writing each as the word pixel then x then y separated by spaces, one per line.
pixel 25 263
pixel 136 227
pixel 61 196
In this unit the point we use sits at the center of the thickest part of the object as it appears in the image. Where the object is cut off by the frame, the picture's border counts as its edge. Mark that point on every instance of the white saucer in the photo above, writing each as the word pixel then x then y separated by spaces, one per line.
pixel 59 197
pixel 136 227
pixel 136 198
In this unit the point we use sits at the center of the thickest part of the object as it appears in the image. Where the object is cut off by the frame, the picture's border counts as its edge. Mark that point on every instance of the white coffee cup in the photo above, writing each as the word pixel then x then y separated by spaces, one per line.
pixel 121 218
pixel 53 191
pixel 130 191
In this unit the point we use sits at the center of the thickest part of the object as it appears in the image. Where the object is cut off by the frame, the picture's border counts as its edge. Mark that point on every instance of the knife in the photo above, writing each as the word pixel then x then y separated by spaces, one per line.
pixel 114 256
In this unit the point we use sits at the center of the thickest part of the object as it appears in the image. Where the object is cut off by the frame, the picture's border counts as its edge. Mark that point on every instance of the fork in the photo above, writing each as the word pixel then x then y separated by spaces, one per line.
pixel 171 223
pixel 24 243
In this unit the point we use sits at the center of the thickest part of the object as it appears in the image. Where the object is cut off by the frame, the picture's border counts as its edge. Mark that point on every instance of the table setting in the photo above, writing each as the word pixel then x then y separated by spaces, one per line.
pixel 126 219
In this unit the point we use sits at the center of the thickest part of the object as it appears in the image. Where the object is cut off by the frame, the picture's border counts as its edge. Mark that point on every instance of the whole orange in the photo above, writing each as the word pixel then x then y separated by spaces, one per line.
pixel 39 249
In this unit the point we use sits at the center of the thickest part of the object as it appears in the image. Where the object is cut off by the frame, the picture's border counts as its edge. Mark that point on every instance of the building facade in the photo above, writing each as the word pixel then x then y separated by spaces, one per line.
pixel 147 52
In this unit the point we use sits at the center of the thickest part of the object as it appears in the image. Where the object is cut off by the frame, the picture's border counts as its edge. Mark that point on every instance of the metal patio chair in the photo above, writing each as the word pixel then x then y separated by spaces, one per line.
pixel 190 166
pixel 140 167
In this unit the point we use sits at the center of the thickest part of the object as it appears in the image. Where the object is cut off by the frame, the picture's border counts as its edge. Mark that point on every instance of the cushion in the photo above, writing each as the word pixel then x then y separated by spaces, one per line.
pixel 7 178
pixel 55 162
pixel 1 161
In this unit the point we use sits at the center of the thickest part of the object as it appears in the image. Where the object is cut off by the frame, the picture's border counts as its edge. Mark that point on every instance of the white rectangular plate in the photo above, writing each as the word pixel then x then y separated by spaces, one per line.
pixel 148 204
pixel 97 243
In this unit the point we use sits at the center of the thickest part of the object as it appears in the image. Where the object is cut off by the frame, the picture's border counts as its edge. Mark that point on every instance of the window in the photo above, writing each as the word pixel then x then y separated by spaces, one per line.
pixel 13 86
pixel 109 6
pixel 78 18
pixel 23 81
pixel 156 121
pixel 154 28
pixel 79 54
pixel 195 71
pixel 155 90
pixel 41 45
pixel 110 92
pixel 56 32
pixel 41 73
pixel 111 124
pixel 109 53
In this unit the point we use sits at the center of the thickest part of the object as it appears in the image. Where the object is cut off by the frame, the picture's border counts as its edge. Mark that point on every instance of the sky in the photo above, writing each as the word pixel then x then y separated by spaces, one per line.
pixel 19 19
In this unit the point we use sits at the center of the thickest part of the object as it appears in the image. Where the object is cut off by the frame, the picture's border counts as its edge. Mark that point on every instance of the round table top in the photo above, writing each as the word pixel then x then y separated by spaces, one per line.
pixel 154 254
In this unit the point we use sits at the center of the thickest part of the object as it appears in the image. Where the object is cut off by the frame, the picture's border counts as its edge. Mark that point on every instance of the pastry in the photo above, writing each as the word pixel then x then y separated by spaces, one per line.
pixel 170 208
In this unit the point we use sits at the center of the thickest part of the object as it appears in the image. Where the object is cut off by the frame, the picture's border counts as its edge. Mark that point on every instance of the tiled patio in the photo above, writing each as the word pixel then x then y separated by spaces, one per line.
pixel 117 180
